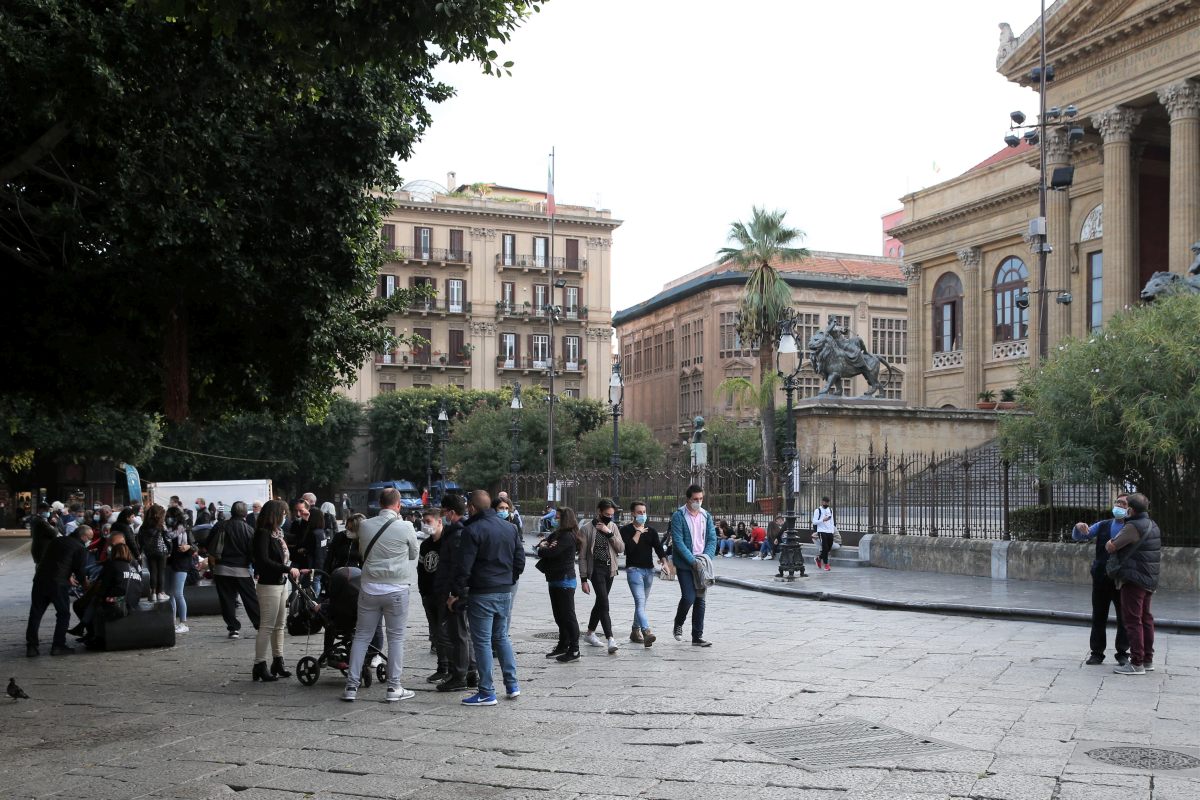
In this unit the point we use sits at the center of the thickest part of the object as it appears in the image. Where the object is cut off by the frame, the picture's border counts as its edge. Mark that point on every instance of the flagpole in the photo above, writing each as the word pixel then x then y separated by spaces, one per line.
pixel 550 212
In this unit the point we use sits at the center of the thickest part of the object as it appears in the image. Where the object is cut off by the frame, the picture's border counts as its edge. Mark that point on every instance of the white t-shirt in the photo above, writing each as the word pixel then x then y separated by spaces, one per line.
pixel 823 519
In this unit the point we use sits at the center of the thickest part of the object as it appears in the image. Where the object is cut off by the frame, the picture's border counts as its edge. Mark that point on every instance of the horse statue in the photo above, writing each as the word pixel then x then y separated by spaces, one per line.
pixel 1165 283
pixel 835 355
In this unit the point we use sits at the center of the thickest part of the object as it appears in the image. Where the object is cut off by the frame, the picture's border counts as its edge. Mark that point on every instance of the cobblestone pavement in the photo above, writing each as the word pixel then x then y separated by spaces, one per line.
pixel 961 708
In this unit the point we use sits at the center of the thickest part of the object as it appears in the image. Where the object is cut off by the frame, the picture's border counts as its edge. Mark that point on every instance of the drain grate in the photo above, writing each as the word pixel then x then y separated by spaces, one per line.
pixel 551 635
pixel 1144 758
pixel 839 742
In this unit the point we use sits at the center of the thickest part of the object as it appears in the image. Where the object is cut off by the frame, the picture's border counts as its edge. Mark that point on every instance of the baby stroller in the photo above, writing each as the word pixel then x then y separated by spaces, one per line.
pixel 337 613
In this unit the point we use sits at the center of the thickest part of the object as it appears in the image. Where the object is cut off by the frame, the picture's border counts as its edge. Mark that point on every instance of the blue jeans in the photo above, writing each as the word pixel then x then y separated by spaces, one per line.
pixel 640 580
pixel 487 614
pixel 178 604
pixel 689 601
pixel 724 546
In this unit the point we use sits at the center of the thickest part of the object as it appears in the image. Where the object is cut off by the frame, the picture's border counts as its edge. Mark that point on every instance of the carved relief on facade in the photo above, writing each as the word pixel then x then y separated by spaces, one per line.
pixel 1117 124
pixel 1093 225
pixel 483 233
pixel 1181 99
pixel 596 243
pixel 969 257
pixel 911 272
pixel 483 329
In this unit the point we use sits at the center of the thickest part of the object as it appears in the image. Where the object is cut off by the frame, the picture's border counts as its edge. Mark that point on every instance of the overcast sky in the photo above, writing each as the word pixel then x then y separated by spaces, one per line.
pixel 679 116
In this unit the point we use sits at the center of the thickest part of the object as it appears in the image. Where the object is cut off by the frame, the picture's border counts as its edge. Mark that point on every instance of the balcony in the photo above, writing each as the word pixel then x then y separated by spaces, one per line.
pixel 530 313
pixel 526 364
pixel 439 306
pixel 429 255
pixel 947 360
pixel 527 263
pixel 423 361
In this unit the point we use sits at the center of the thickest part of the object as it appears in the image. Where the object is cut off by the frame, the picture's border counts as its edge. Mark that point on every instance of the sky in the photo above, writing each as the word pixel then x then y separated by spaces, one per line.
pixel 680 117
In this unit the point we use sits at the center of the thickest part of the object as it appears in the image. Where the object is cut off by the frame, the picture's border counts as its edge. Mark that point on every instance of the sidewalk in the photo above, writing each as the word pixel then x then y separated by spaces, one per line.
pixel 938 593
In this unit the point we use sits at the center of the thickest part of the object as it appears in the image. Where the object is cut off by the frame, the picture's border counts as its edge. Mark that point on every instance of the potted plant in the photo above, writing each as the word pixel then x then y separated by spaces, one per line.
pixel 987 400
pixel 1008 399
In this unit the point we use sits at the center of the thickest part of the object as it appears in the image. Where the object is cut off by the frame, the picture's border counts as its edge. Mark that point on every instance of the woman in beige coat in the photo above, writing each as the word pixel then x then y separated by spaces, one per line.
pixel 598 567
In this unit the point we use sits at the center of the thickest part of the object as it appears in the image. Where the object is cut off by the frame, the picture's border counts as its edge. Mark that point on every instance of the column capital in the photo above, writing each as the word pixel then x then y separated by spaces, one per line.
pixel 1182 100
pixel 1058 146
pixel 911 271
pixel 969 257
pixel 1117 124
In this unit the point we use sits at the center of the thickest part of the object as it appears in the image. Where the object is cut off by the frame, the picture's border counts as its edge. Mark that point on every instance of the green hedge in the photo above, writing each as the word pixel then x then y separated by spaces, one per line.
pixel 1046 523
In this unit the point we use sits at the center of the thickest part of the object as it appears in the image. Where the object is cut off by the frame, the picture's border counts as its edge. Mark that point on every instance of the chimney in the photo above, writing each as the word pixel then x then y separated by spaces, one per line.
pixel 450 181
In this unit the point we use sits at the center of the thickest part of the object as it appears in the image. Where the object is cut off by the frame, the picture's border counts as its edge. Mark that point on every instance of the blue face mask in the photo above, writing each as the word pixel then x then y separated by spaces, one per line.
pixel 447 521
pixel 502 514
pixel 640 519
pixel 1120 513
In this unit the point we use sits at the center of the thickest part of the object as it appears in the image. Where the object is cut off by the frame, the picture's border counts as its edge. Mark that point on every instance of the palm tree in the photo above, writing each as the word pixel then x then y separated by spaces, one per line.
pixel 762 244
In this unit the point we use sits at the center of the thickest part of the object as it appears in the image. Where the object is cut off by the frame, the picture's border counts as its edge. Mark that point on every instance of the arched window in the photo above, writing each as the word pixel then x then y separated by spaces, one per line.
pixel 947 314
pixel 1012 279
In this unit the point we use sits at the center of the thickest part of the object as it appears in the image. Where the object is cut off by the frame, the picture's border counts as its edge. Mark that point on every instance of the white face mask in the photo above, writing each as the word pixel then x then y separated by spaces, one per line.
pixel 694 505
pixel 427 530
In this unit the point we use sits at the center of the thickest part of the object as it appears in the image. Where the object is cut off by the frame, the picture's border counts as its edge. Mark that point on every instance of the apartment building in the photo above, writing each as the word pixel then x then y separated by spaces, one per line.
pixel 511 300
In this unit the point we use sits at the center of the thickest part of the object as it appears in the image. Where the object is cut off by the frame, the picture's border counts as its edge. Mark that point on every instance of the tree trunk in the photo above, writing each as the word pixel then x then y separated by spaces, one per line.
pixel 766 364
pixel 175 363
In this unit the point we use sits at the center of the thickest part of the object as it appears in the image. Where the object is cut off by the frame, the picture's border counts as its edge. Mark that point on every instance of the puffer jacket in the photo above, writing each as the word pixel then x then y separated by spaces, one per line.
pixel 1141 566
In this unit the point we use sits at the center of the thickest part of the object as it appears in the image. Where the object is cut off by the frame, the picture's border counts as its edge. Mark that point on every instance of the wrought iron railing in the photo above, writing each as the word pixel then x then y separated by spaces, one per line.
pixel 406 253
pixel 523 261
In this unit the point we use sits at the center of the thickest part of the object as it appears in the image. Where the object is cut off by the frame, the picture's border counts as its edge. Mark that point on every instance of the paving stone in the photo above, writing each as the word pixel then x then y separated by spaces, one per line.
pixel 918 782
pixel 1014 787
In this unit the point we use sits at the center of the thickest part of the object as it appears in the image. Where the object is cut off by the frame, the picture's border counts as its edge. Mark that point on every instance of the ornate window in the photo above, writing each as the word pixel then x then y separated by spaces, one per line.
pixel 1093 225
pixel 947 313
pixel 1012 279
pixel 889 338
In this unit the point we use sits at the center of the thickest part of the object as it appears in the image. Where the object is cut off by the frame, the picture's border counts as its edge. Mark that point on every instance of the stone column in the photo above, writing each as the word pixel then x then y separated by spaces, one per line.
pixel 974 343
pixel 1182 101
pixel 916 338
pixel 1116 126
pixel 1058 262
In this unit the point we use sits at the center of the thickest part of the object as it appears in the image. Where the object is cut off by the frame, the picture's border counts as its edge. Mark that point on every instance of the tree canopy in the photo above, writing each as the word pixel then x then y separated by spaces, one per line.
pixel 639 448
pixel 191 192
pixel 1122 404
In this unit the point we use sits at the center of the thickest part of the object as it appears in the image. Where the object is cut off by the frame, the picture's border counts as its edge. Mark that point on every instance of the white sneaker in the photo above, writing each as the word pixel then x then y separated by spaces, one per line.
pixel 729 555
pixel 162 598
pixel 376 661
pixel 613 647
pixel 398 694
pixel 181 628
pixel 756 558
pixel 593 640
pixel 350 695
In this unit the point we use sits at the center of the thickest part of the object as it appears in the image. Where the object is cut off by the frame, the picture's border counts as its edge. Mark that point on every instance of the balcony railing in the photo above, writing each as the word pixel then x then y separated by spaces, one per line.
pixel 527 363
pixel 439 305
pixel 543 263
pixel 530 312
pixel 432 254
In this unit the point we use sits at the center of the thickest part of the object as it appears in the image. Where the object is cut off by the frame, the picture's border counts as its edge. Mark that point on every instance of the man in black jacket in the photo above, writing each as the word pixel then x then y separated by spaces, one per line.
pixel 42 532
pixel 60 568
pixel 489 560
pixel 452 621
pixel 229 550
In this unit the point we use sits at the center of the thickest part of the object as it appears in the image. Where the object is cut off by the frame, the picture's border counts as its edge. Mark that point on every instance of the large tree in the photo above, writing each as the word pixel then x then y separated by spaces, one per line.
pixel 191 192
pixel 1123 405
pixel 761 245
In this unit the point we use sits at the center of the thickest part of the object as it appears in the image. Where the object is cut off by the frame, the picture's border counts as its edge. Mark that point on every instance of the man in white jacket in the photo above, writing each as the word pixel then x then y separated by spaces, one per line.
pixel 823 526
pixel 389 553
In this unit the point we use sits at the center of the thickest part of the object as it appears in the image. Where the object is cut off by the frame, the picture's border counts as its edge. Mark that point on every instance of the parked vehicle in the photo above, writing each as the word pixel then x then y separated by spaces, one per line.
pixel 221 493
pixel 410 496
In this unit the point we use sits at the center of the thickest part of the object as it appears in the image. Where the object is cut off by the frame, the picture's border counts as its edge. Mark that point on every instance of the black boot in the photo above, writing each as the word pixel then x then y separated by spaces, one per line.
pixel 261 673
pixel 453 683
pixel 278 669
pixel 472 678
pixel 443 672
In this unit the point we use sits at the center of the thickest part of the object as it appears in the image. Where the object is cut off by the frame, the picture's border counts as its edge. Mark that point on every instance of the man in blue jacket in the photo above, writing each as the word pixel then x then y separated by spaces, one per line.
pixel 692 533
pixel 1104 590
pixel 489 560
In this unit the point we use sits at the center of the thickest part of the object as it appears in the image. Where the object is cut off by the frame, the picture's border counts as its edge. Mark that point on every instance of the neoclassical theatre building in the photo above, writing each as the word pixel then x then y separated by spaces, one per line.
pixel 1131 69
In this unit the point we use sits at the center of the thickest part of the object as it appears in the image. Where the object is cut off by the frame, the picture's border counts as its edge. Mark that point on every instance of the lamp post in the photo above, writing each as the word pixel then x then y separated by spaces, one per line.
pixel 429 459
pixel 791 558
pixel 514 465
pixel 616 394
pixel 443 439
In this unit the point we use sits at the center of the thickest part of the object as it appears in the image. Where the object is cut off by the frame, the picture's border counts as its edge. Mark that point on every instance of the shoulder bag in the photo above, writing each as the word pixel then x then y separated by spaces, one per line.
pixel 375 539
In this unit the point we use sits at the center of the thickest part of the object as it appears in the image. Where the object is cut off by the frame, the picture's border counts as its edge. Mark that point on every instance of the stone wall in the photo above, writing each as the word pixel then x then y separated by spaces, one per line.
pixel 854 423
pixel 1026 561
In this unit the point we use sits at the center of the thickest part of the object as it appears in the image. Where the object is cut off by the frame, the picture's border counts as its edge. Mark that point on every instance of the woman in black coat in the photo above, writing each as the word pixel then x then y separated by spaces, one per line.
pixel 556 560
pixel 120 589
pixel 273 564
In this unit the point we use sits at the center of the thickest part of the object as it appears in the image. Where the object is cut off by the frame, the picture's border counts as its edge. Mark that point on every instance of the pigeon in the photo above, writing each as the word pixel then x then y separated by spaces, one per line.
pixel 16 692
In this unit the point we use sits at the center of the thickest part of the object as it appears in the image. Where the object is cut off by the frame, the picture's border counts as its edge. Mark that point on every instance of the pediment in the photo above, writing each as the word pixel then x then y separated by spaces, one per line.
pixel 738 363
pixel 1075 26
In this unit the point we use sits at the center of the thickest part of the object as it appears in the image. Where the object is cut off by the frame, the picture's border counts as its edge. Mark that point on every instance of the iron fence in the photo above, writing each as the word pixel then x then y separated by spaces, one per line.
pixel 960 494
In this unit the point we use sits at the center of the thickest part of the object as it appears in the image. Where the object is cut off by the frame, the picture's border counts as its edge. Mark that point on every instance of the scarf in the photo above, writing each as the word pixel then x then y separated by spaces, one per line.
pixel 277 535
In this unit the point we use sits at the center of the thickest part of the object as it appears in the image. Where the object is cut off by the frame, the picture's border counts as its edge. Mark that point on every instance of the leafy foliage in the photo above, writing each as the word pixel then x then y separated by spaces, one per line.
pixel 29 430
pixel 1124 405
pixel 639 448
pixel 297 455
pixel 732 445
pixel 206 179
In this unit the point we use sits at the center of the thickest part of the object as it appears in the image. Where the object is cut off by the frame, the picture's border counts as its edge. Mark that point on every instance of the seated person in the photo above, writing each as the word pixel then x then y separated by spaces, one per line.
pixel 742 545
pixel 120 589
pixel 758 538
pixel 724 539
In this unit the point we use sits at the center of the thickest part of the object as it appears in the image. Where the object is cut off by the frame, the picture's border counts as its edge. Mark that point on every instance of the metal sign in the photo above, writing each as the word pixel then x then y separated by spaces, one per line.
pixel 133 484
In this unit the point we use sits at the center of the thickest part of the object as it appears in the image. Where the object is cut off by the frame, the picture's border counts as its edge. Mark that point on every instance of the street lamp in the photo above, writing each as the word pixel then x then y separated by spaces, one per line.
pixel 791 558
pixel 514 466
pixel 429 459
pixel 616 394
pixel 443 439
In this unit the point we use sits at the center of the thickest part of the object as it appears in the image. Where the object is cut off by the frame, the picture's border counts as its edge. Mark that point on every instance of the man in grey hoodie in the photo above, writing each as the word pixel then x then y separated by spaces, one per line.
pixel 389 553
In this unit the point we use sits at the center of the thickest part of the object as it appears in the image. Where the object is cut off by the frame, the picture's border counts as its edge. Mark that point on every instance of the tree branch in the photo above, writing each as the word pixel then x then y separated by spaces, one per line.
pixel 44 144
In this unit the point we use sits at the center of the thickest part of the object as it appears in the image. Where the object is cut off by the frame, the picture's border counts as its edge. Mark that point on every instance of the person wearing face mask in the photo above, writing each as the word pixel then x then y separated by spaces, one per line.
pixel 427 566
pixel 824 527
pixel 506 511
pixel 694 536
pixel 460 654
pixel 642 543
pixel 598 567
pixel 203 516
pixel 42 532
pixel 1104 590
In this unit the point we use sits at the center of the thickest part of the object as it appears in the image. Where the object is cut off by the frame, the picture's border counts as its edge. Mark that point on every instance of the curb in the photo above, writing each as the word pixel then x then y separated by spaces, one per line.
pixel 1030 614
pixel 20 550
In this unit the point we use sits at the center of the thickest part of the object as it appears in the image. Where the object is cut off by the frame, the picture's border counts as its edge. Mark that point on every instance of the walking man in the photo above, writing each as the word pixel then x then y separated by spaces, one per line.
pixel 823 526
pixel 692 534
pixel 230 548
pixel 1139 547
pixel 388 571
pixel 488 561
pixel 1104 589
pixel 61 568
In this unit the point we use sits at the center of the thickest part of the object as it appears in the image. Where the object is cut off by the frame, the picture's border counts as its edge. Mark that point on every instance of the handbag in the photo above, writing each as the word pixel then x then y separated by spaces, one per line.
pixel 1112 567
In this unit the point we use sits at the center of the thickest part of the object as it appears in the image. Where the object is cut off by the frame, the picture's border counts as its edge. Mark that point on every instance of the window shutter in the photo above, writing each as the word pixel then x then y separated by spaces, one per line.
pixel 572 253
pixel 382 286
pixel 456 244
pixel 417 241
pixel 529 345
pixel 389 236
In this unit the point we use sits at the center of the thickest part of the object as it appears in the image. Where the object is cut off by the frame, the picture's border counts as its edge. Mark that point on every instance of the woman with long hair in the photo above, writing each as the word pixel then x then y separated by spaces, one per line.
pixel 153 543
pixel 273 564
pixel 556 560
pixel 181 549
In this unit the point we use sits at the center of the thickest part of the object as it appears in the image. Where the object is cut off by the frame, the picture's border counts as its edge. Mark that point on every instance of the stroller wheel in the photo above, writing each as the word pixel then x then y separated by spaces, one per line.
pixel 308 670
pixel 381 672
pixel 366 677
